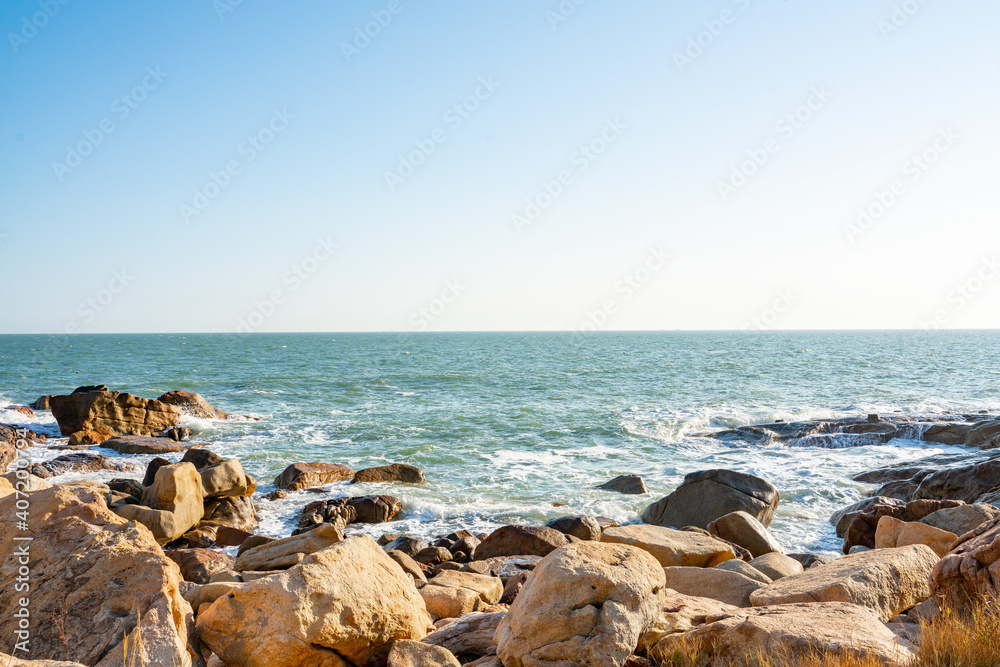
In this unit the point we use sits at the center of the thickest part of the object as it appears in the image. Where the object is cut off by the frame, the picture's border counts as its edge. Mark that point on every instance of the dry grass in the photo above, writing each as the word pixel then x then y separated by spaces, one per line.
pixel 950 641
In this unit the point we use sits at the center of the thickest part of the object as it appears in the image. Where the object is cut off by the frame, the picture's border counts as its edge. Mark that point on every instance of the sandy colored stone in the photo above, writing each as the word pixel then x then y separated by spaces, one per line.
pixel 96 580
pixel 163 525
pixel 792 631
pixel 970 570
pixel 10 661
pixel 305 475
pixel 776 566
pixel 410 653
pixel 726 586
pixel 680 613
pixel 962 519
pixel 672 547
pixel 343 606
pixel 746 531
pixel 470 634
pixel 125 414
pixel 585 604
pixel 452 594
pixel 225 479
pixel 888 581
pixel 397 472
pixel 744 568
pixel 289 551
pixel 892 532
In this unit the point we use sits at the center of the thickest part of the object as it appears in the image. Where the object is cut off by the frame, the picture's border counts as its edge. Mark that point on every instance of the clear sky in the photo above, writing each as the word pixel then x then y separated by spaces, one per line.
pixel 403 165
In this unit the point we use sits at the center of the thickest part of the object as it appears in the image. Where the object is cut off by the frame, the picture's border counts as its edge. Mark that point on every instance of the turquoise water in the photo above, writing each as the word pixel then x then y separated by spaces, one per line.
pixel 505 425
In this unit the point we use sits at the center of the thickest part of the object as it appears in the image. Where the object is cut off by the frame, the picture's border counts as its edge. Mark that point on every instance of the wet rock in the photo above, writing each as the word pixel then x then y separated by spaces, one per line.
pixel 397 472
pixel 707 495
pixel 178 433
pixel 91 437
pixel 967 483
pixel 192 404
pixel 520 541
pixel 42 403
pixel 277 494
pixel 304 475
pixel 135 444
pixel 128 486
pixel 627 484
pixel 584 527
pixel 672 547
pixel 81 462
pixel 22 410
pixel 504 567
pixel 233 512
pixel 125 414
pixel 202 458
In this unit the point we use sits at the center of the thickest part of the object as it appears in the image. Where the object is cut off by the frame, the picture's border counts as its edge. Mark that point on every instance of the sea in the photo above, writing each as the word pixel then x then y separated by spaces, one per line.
pixel 521 427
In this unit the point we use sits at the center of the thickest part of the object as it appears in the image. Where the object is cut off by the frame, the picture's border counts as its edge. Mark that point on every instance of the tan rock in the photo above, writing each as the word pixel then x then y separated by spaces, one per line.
pixel 96 580
pixel 91 437
pixel 960 520
pixel 520 541
pixel 680 613
pixel 452 594
pixel 284 553
pixel 970 571
pixel 6 488
pixel 164 526
pixel 585 604
pixel 746 531
pixel 198 565
pixel 743 567
pixel 672 547
pixel 125 414
pixel 888 581
pixel 10 661
pixel 192 404
pixel 892 532
pixel 345 605
pixel 210 592
pixel 225 479
pixel 305 475
pixel 470 634
pixel 410 653
pixel 726 586
pixel 777 566
pixel 177 489
pixel 792 632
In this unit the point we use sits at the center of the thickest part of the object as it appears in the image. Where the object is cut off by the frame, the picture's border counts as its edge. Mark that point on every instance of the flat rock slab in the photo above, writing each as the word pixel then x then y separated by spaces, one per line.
pixel 305 475
pixel 139 444
pixel 672 547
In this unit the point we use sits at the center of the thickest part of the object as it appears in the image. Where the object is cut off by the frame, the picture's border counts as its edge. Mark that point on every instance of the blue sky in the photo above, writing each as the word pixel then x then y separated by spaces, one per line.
pixel 591 169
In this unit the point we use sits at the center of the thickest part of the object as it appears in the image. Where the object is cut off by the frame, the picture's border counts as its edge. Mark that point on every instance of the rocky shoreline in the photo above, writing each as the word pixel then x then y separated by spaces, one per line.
pixel 163 565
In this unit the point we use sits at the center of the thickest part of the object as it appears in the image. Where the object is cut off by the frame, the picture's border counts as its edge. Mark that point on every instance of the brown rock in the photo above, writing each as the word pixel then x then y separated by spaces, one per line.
pixel 21 410
pixel 970 571
pixel 471 634
pixel 705 496
pixel 285 553
pixel 224 480
pixel 81 462
pixel 125 414
pixel 42 403
pixel 776 566
pixel 202 458
pixel 520 541
pixel 397 472
pixel 452 594
pixel 234 512
pixel 672 547
pixel 627 484
pixel 410 566
pixel 680 613
pixel 192 404
pixel 136 444
pixel 861 531
pixel 744 530
pixel 961 519
pixel 91 437
pixel 965 483
pixel 198 565
pixel 892 532
pixel 842 518
pixel 304 475
pixel 726 586
pixel 583 527
pixel 410 653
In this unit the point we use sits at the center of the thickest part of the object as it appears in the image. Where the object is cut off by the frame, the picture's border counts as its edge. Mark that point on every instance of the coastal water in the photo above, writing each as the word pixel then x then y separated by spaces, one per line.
pixel 519 427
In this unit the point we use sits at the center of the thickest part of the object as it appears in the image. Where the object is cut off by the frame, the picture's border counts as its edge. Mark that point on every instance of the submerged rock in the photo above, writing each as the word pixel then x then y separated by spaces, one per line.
pixel 627 484
pixel 397 472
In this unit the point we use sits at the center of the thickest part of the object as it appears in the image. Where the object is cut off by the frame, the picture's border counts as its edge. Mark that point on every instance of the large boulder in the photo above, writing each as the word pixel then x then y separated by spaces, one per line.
pixel 680 613
pixel 715 583
pixel 962 519
pixel 520 541
pixel 889 581
pixel 746 531
pixel 342 606
pixel 140 444
pixel 225 479
pixel 583 527
pixel 863 527
pixel 100 586
pixel 672 547
pixel 707 495
pixel 177 488
pixel 397 472
pixel 892 532
pixel 125 414
pixel 284 553
pixel 585 604
pixel 454 594
pixel 966 483
pixel 305 475
pixel 192 404
pixel 776 566
pixel 790 632
pixel 970 571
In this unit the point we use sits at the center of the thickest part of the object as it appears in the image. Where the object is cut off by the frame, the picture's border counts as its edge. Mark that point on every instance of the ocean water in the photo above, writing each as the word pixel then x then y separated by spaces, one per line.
pixel 520 427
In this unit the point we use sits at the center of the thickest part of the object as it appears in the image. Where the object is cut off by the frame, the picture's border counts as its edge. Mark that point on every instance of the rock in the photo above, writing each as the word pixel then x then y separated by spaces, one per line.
pixel 284 553
pixel 672 547
pixel 504 567
pixel 344 511
pixel 135 444
pixel 202 458
pixel 842 518
pixel 791 632
pixel 10 661
pixel 151 469
pixel 777 566
pixel 471 634
pixel 433 556
pixel 705 496
pixel 178 433
pixel 584 527
pixel 22 410
pixel 680 613
pixel 453 594
pixel 960 520
pixel 410 566
pixel 344 605
pixel 628 484
pixel 892 532
pixel 177 488
pixel 520 541
pixel 125 414
pixel 743 567
pixel 277 494
pixel 888 581
pixel 304 475
pixel 91 437
pixel 970 570
pixel 716 583
pixel 966 483
pixel 397 472
pixel 225 479
pixel 512 587
pixel 861 531
pixel 746 531
pixel 254 541
pixel 586 604
pixel 467 545
pixel 375 509
pixel 925 612
pixel 198 565
pixel 408 544
pixel 811 560
pixel 42 403
pixel 192 404
pixel 80 462
pixel 410 653
pixel 29 483
pixel 96 580
pixel 233 512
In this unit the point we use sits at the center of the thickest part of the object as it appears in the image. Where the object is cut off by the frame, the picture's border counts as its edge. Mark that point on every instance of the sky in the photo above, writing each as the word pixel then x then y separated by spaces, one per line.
pixel 200 166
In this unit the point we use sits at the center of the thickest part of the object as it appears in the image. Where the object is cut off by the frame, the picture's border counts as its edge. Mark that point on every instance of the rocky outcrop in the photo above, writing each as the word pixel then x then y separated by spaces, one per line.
pixel 888 581
pixel 285 553
pixel 345 605
pixel 98 582
pixel 520 541
pixel 627 484
pixel 192 404
pixel 125 414
pixel 892 532
pixel 962 519
pixel 746 531
pixel 585 604
pixel 672 547
pixel 791 632
pixel 305 475
pixel 342 512
pixel 705 496
pixel 970 570
pixel 397 472
pixel 966 483
pixel 861 531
